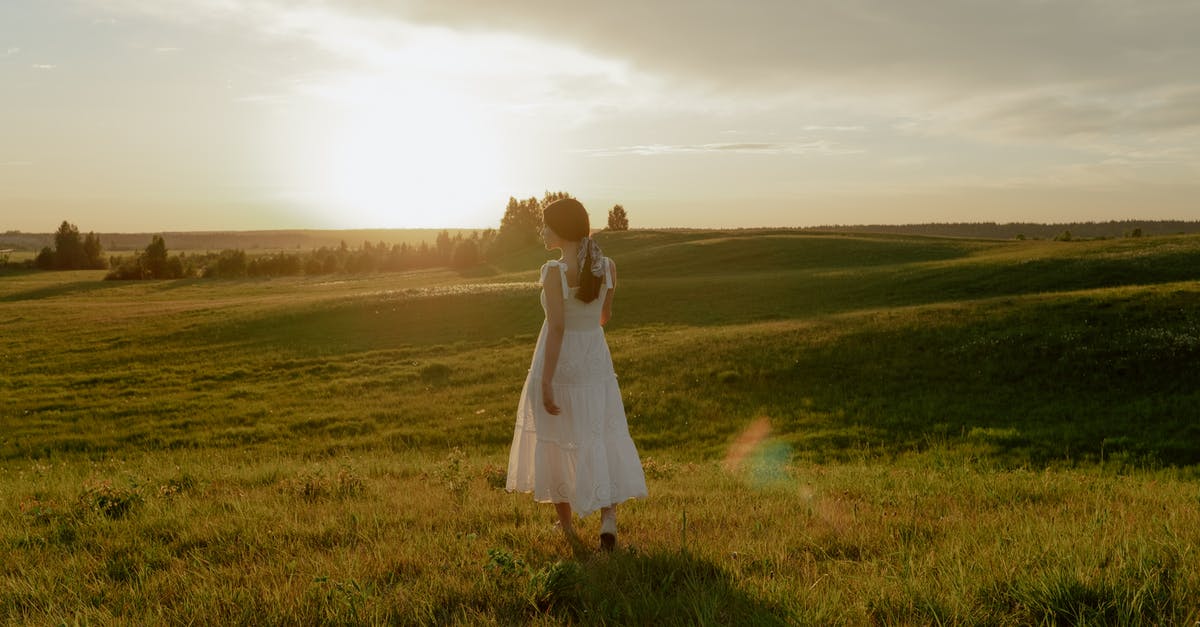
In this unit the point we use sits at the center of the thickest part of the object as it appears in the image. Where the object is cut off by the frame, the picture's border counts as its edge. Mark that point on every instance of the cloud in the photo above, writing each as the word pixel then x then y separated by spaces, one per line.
pixel 839 129
pixel 1175 110
pixel 785 148
pixel 1019 71
pixel 12 52
pixel 43 66
pixel 945 45
pixel 1024 70
pixel 928 50
pixel 1060 115
pixel 1044 116
pixel 386 57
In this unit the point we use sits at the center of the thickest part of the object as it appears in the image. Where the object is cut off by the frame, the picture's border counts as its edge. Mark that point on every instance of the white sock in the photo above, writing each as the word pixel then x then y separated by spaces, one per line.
pixel 608 521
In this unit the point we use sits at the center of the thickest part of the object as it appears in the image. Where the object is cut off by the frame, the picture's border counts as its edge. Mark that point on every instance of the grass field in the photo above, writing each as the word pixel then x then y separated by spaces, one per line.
pixel 956 432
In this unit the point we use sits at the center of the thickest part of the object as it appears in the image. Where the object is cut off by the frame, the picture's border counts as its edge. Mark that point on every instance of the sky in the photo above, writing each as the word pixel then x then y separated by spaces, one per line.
pixel 128 115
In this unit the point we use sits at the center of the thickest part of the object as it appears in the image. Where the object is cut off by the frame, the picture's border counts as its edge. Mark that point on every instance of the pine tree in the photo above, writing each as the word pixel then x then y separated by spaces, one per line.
pixel 68 247
pixel 154 258
pixel 93 252
pixel 445 247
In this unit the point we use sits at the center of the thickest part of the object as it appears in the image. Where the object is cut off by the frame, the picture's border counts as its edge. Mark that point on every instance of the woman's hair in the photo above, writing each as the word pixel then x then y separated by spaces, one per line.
pixel 569 220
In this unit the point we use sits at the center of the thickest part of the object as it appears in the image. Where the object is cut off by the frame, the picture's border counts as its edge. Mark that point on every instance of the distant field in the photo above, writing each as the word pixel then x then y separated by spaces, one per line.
pixel 17 256
pixel 959 431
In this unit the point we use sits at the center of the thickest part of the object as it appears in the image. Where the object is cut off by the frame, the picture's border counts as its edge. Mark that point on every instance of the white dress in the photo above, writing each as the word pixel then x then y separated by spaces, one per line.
pixel 584 455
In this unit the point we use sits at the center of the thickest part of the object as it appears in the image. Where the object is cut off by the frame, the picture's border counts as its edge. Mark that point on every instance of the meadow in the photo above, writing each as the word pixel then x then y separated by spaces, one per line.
pixel 836 429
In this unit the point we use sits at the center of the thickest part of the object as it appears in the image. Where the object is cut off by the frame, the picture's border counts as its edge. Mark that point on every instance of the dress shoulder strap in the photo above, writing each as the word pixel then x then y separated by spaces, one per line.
pixel 562 275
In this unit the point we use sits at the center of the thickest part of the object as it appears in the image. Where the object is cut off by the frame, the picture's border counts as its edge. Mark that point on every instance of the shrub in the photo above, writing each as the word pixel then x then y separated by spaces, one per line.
pixel 656 469
pixel 230 264
pixel 452 473
pixel 436 373
pixel 108 500
pixel 40 511
pixel 495 476
pixel 176 486
pixel 315 484
pixel 151 263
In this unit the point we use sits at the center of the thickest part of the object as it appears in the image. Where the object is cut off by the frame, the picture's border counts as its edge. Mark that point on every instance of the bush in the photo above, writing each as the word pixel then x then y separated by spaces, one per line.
pixel 151 263
pixel 109 501
pixel 466 254
pixel 229 264
pixel 315 484
pixel 44 259
pixel 126 270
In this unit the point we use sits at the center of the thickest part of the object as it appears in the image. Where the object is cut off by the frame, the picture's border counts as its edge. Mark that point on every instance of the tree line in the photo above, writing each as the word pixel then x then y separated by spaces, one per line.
pixel 1026 230
pixel 72 251
pixel 156 263
pixel 520 228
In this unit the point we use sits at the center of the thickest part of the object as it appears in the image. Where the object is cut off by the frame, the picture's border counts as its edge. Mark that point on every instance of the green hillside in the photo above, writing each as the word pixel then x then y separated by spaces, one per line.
pixel 937 407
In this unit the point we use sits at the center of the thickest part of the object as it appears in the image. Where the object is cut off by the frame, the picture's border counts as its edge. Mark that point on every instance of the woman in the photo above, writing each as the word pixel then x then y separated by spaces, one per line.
pixel 571 445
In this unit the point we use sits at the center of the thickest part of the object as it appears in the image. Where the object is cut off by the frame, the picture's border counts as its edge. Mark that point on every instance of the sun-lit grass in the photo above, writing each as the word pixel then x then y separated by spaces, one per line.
pixel 948 431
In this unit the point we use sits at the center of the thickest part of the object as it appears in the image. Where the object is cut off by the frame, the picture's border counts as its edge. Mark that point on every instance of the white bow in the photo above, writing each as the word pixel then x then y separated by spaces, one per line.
pixel 588 246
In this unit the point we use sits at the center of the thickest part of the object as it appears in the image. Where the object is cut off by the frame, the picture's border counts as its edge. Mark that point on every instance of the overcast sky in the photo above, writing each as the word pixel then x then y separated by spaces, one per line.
pixel 226 114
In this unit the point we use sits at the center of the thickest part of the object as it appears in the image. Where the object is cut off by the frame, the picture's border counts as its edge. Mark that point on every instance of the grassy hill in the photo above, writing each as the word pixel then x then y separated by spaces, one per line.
pixel 962 431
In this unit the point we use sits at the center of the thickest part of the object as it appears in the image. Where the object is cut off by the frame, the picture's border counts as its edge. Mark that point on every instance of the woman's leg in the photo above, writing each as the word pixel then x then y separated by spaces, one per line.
pixel 608 527
pixel 564 518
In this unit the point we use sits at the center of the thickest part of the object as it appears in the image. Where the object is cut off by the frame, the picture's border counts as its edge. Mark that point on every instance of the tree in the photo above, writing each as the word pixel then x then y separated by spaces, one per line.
pixel 68 247
pixel 520 226
pixel 549 197
pixel 45 259
pixel 466 254
pixel 154 259
pixel 445 246
pixel 617 220
pixel 93 252
pixel 229 264
pixel 71 252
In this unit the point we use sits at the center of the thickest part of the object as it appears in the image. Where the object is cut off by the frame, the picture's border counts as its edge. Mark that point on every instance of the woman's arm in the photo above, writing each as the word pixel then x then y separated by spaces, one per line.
pixel 555 326
pixel 606 311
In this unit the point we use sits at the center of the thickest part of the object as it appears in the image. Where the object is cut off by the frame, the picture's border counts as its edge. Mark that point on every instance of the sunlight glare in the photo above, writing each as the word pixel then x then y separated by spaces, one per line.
pixel 413 156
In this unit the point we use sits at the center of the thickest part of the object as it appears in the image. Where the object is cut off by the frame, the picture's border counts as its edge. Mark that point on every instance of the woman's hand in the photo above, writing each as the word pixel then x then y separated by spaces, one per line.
pixel 548 399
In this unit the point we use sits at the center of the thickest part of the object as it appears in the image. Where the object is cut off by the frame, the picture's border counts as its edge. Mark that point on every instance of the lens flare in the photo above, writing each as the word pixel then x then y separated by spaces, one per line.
pixel 765 461
pixel 745 443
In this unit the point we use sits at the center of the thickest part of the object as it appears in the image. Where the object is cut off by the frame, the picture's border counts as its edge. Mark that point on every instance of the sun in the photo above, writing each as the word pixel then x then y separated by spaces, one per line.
pixel 418 157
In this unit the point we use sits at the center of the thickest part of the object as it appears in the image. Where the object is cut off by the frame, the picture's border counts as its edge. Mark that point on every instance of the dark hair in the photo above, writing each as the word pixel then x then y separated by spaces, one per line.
pixel 569 220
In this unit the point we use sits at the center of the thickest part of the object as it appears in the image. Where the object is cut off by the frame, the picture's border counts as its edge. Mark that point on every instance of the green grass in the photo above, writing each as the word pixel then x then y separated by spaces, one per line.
pixel 961 432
